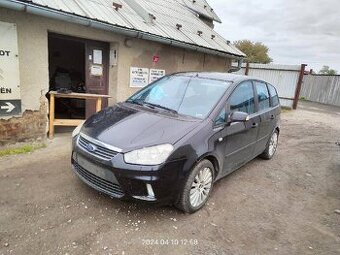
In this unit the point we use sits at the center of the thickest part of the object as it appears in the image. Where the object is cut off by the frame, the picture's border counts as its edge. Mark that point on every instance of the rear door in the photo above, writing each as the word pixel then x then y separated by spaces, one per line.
pixel 240 138
pixel 96 73
pixel 266 115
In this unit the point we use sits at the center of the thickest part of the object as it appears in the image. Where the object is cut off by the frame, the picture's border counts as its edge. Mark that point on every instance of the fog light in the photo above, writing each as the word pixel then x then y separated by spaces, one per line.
pixel 150 190
pixel 150 196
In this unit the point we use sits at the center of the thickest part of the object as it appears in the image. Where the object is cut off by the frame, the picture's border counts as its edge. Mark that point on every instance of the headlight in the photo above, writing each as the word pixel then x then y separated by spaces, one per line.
pixel 77 129
pixel 154 155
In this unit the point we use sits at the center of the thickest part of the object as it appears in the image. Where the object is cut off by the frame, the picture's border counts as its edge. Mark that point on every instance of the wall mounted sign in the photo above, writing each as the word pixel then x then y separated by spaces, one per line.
pixel 96 70
pixel 155 74
pixel 10 100
pixel 139 77
pixel 97 57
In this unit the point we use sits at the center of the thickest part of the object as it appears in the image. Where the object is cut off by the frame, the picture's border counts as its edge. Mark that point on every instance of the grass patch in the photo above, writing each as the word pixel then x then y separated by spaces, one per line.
pixel 285 109
pixel 20 150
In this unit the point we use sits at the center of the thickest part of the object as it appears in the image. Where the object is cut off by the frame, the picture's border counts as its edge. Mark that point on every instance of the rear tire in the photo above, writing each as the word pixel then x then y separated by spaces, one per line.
pixel 197 187
pixel 270 150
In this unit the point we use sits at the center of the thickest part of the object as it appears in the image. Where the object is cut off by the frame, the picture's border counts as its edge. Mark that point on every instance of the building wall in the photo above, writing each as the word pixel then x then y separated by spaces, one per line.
pixel 33 64
pixel 171 59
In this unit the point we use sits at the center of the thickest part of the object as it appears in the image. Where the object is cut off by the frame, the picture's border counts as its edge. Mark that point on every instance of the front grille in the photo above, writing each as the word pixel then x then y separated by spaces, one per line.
pixel 99 150
pixel 98 183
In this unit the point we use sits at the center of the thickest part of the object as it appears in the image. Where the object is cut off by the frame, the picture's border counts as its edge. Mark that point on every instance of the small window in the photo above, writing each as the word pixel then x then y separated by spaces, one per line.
pixel 242 99
pixel 220 119
pixel 273 95
pixel 262 95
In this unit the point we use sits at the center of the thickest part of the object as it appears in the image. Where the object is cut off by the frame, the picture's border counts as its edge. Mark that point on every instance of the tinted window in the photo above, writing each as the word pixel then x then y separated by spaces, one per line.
pixel 262 95
pixel 242 99
pixel 187 95
pixel 273 95
pixel 220 119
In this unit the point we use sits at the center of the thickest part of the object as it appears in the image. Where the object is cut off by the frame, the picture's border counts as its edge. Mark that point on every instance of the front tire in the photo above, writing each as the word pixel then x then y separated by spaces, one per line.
pixel 271 146
pixel 197 187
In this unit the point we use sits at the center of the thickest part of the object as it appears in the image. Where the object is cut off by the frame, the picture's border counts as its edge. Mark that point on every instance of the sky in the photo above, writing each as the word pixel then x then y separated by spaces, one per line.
pixel 296 32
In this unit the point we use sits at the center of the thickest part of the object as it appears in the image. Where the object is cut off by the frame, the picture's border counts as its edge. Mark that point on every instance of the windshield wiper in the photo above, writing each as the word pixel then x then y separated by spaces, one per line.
pixel 139 102
pixel 161 107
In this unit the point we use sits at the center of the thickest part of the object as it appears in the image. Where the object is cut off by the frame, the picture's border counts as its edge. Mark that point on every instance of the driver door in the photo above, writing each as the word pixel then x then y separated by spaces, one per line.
pixel 240 137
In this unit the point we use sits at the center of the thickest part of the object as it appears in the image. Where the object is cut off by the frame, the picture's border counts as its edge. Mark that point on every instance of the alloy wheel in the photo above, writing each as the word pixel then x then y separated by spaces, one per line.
pixel 273 144
pixel 201 187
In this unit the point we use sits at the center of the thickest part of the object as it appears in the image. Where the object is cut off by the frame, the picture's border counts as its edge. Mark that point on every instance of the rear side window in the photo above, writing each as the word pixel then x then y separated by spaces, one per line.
pixel 242 98
pixel 274 98
pixel 262 95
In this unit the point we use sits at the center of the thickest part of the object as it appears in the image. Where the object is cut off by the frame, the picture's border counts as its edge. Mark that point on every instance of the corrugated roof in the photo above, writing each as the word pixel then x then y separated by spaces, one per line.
pixel 203 8
pixel 168 14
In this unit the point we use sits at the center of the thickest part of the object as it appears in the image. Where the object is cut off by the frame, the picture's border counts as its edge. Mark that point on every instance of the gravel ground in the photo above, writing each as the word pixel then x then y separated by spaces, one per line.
pixel 287 205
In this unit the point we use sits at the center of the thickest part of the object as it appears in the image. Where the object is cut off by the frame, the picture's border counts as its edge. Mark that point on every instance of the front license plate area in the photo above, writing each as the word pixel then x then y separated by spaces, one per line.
pixel 95 169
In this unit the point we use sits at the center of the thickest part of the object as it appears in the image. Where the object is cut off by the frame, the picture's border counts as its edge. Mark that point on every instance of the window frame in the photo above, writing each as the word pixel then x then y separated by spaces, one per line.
pixel 226 105
pixel 270 95
pixel 256 96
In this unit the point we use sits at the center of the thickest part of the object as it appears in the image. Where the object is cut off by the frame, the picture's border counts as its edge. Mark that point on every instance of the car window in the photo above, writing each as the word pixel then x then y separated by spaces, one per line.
pixel 220 119
pixel 273 95
pixel 191 96
pixel 242 98
pixel 262 95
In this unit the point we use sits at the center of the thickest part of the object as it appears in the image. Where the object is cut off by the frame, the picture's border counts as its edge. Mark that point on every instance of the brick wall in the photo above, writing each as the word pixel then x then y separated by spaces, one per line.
pixel 31 126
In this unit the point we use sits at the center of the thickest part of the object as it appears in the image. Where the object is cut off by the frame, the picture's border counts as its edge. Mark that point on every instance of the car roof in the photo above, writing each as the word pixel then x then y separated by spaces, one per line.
pixel 235 78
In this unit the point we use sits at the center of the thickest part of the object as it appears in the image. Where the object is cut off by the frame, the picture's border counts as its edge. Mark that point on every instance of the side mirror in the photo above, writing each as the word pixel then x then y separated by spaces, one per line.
pixel 238 117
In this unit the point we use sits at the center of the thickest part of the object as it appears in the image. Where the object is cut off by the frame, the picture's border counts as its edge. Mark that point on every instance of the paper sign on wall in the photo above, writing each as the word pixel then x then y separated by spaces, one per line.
pixel 96 70
pixel 10 100
pixel 97 57
pixel 139 77
pixel 155 74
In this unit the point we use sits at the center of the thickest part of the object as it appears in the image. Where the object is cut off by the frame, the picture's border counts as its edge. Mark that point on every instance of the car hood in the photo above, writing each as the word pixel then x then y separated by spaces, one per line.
pixel 130 128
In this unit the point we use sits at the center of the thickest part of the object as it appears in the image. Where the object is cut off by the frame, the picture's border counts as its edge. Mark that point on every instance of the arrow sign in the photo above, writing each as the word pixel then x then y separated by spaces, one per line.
pixel 9 107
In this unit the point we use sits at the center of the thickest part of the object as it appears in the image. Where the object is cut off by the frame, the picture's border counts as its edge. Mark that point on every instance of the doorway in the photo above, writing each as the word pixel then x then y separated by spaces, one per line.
pixel 80 66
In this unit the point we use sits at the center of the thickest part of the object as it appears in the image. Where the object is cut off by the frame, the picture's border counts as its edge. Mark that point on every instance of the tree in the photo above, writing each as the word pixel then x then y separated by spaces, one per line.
pixel 256 52
pixel 326 70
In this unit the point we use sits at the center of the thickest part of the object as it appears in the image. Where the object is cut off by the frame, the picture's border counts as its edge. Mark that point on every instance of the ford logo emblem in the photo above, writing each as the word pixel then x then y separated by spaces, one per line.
pixel 90 147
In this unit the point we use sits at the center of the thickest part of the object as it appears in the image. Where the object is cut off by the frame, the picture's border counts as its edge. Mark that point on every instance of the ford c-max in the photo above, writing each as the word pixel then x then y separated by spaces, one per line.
pixel 170 141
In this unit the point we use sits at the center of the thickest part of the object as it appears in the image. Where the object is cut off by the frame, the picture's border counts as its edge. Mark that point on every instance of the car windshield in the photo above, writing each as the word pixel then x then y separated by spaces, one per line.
pixel 191 96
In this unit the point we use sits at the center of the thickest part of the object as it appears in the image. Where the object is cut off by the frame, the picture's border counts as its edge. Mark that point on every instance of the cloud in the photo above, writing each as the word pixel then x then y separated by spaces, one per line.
pixel 295 31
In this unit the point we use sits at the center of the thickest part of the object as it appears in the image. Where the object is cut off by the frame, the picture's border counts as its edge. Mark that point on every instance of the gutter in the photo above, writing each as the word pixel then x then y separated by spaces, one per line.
pixel 47 12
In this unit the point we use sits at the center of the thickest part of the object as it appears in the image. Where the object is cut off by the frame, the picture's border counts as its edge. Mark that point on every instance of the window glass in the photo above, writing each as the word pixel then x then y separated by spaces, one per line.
pixel 262 95
pixel 242 99
pixel 220 119
pixel 191 96
pixel 273 95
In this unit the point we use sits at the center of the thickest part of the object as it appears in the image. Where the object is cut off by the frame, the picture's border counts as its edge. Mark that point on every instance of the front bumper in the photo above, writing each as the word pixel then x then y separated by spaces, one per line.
pixel 118 179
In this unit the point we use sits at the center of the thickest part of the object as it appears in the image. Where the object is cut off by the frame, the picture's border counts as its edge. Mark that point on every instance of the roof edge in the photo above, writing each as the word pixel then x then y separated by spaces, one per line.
pixel 45 11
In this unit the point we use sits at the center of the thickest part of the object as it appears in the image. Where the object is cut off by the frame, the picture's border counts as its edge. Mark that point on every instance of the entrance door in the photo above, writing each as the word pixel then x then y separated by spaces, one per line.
pixel 96 75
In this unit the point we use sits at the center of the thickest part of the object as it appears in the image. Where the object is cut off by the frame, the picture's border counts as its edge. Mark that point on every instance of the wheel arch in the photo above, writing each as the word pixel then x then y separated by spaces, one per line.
pixel 278 130
pixel 214 160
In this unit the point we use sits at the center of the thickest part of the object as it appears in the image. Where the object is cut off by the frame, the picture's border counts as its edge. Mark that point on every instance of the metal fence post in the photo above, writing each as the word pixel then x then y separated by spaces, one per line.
pixel 298 86
pixel 247 69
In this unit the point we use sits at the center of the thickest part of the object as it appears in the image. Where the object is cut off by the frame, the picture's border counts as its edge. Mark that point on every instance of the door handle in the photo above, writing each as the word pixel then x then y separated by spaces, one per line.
pixel 254 125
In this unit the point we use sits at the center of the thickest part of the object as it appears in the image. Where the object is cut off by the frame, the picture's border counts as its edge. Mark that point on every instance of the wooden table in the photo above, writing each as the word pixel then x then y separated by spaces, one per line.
pixel 70 122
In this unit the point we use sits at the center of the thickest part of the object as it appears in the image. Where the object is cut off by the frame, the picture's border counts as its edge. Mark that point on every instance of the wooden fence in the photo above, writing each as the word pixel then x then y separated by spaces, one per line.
pixel 323 89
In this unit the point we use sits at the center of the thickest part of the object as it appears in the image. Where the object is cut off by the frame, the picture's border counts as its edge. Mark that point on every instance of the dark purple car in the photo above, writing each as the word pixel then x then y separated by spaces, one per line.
pixel 173 139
